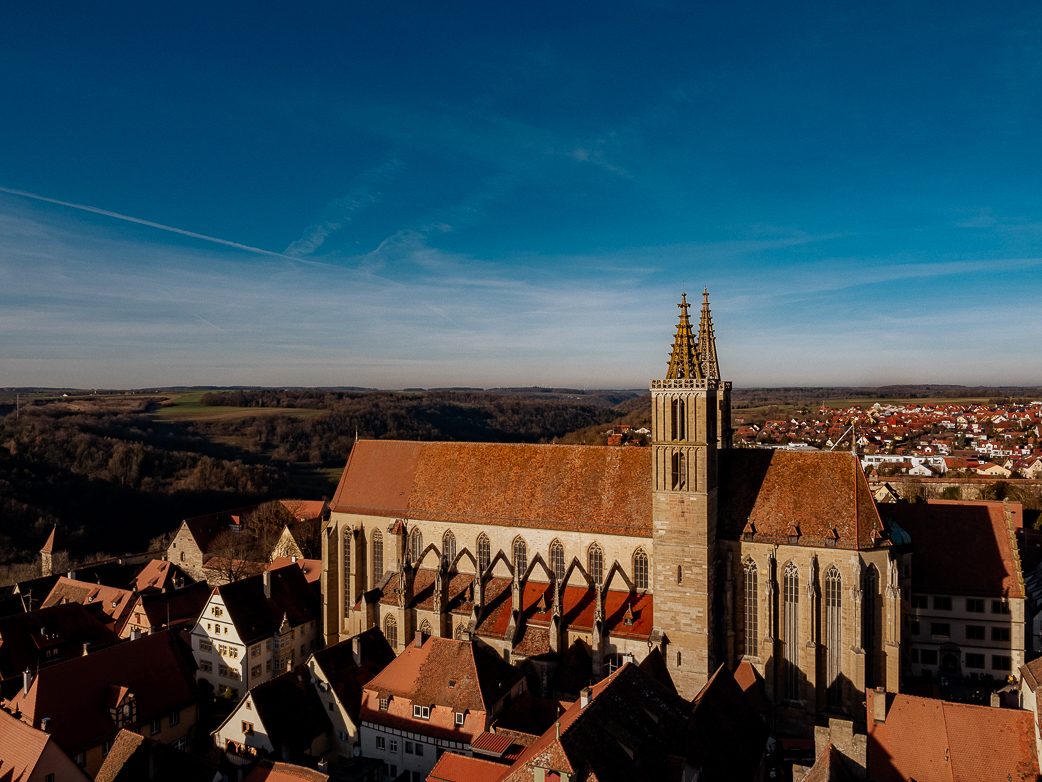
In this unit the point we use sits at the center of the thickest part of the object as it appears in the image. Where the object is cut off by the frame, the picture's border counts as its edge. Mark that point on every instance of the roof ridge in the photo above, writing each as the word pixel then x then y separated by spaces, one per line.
pixel 947 742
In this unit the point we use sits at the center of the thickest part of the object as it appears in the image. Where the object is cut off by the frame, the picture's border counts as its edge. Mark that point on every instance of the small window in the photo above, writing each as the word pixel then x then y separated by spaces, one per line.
pixel 383 704
pixel 418 749
pixel 49 778
pixel 106 748
pixel 975 605
pixel 267 666
pixel 914 627
pixel 975 633
pixel 408 748
pixel 381 742
pixel 940 629
pixel 80 759
pixel 999 607
pixel 157 725
pixel 255 651
pixel 975 661
pixel 942 603
pixel 680 574
pixel 920 601
pixel 459 717
pixel 1000 634
pixel 393 745
pixel 1000 663
pixel 421 712
pixel 331 705
pixel 247 728
pixel 181 744
pixel 255 672
pixel 929 657
pixel 678 659
pixel 218 612
pixel 175 717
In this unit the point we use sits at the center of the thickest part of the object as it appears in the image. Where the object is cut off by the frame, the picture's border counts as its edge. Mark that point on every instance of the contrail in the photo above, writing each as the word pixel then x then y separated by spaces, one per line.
pixel 160 226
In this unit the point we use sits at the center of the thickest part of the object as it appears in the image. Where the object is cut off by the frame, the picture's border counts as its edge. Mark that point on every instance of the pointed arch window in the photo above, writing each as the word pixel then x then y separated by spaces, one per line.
pixel 415 544
pixel 557 560
pixel 484 553
pixel 448 546
pixel 870 609
pixel 679 470
pixel 833 636
pixel 378 555
pixel 678 413
pixel 347 573
pixel 790 640
pixel 520 554
pixel 751 614
pixel 391 632
pixel 595 559
pixel 458 635
pixel 425 629
pixel 640 569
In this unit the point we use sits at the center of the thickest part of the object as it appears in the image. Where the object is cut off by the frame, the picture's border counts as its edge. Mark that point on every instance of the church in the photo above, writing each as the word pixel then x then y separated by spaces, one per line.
pixel 691 550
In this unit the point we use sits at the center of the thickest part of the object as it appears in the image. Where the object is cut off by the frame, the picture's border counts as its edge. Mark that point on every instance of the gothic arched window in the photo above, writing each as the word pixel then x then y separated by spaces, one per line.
pixel 347 572
pixel 448 545
pixel 640 569
pixel 425 629
pixel 790 641
pixel 391 632
pixel 871 622
pixel 595 558
pixel 415 544
pixel 520 554
pixel 459 632
pixel 557 559
pixel 680 574
pixel 751 616
pixel 378 555
pixel 484 553
pixel 833 636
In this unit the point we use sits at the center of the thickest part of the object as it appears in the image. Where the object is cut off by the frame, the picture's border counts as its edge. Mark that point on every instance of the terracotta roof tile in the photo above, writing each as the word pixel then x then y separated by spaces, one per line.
pixel 596 489
pixel 292 713
pixel 347 678
pixel 459 768
pixel 21 749
pixel 255 616
pixel 777 490
pixel 133 758
pixel 112 603
pixel 829 767
pixel 65 629
pixel 267 771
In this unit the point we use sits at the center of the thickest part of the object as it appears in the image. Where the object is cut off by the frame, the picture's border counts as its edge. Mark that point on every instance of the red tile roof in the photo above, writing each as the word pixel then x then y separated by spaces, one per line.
pixel 113 604
pixel 134 758
pixel 815 492
pixel 459 768
pixel 158 575
pixel 596 489
pixel 933 741
pixel 345 676
pixel 48 547
pixel 23 750
pixel 65 628
pixel 948 534
pixel 255 616
pixel 179 605
pixel 312 568
pixel 491 743
pixel 267 771
pixel 157 669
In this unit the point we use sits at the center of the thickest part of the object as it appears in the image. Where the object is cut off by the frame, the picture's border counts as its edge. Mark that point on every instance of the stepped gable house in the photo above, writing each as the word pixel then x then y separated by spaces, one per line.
pixel 707 554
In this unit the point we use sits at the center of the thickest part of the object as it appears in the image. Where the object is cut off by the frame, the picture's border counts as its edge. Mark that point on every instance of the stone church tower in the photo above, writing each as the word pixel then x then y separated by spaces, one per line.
pixel 690 421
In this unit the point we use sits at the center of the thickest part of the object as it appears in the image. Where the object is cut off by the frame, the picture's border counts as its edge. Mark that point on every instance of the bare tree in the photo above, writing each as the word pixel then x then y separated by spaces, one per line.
pixel 234 555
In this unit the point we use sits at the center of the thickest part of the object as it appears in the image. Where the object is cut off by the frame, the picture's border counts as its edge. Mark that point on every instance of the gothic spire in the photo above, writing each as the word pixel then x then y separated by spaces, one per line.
pixel 683 361
pixel 707 342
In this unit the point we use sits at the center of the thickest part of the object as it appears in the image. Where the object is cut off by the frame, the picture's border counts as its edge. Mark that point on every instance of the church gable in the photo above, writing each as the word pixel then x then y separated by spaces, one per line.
pixel 820 499
pixel 578 488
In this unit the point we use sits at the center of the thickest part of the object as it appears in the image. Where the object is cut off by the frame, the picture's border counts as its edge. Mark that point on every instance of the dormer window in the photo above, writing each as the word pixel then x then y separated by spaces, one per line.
pixel 459 717
pixel 383 704
pixel 421 712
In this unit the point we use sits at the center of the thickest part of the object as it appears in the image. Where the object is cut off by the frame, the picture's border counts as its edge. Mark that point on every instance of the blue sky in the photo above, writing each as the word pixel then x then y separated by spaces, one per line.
pixel 486 194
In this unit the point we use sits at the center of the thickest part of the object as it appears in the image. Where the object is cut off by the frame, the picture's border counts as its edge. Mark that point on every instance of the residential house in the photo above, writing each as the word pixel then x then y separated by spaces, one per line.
pixel 135 758
pixel 282 719
pixel 962 620
pixel 111 604
pixel 340 673
pixel 1029 686
pixel 435 696
pixel 154 611
pixel 28 754
pixel 252 630
pixel 145 685
pixel 159 575
pixel 932 740
pixel 46 636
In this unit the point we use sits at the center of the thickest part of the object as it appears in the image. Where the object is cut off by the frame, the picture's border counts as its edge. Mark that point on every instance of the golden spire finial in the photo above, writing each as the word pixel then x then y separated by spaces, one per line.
pixel 708 363
pixel 683 361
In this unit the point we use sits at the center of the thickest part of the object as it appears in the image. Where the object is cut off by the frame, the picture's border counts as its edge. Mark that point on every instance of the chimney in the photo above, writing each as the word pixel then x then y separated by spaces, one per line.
pixel 356 650
pixel 996 700
pixel 293 559
pixel 419 639
pixel 879 706
pixel 267 583
pixel 86 648
pixel 45 724
pixel 27 680
pixel 585 697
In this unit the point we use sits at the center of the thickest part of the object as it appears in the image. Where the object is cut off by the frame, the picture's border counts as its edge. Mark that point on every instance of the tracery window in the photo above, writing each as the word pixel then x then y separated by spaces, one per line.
pixel 677 410
pixel 415 544
pixel 391 631
pixel 520 554
pixel 595 558
pixel 425 629
pixel 484 553
pixel 751 616
pixel 833 636
pixel 378 555
pixel 557 559
pixel 459 632
pixel 679 463
pixel 790 641
pixel 347 572
pixel 448 545
pixel 869 611
pixel 640 569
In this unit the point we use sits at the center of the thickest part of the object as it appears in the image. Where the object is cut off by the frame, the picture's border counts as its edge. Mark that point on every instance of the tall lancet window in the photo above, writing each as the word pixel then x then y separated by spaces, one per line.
pixel 833 636
pixel 448 546
pixel 678 415
pixel 640 569
pixel 751 618
pixel 869 616
pixel 391 632
pixel 484 553
pixel 557 559
pixel 520 555
pixel 415 545
pixel 596 562
pixel 790 640
pixel 347 573
pixel 378 555
pixel 679 471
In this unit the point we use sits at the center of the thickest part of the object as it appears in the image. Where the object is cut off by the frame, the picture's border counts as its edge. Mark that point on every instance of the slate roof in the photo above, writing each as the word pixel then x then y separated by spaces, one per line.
pixel 255 616
pixel 933 741
pixel 157 669
pixel 66 628
pixel 345 677
pixel 948 534
pixel 568 487
pixel 815 492
pixel 134 757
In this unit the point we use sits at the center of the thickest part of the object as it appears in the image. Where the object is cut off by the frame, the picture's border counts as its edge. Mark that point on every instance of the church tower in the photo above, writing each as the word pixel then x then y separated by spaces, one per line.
pixel 688 426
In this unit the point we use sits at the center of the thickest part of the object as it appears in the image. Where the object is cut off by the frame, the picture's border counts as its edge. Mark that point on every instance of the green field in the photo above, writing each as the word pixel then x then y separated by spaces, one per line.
pixel 186 407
